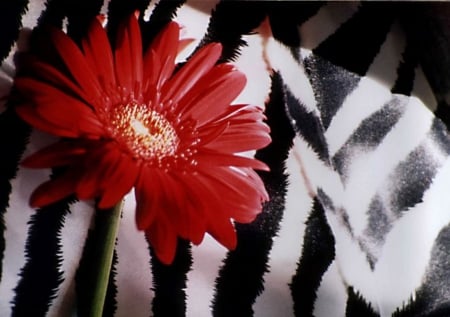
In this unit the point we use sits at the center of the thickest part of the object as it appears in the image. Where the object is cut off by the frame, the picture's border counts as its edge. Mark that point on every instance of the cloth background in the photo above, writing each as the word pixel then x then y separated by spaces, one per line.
pixel 309 253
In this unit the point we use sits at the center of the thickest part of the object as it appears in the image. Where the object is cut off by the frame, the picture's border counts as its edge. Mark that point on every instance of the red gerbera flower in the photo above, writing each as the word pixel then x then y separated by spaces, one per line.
pixel 128 121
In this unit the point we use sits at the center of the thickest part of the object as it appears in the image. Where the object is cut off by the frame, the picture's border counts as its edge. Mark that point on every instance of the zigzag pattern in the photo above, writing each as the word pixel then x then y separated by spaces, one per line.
pixel 358 221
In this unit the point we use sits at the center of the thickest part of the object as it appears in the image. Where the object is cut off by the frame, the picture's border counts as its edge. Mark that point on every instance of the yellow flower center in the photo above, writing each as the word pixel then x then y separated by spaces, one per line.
pixel 145 132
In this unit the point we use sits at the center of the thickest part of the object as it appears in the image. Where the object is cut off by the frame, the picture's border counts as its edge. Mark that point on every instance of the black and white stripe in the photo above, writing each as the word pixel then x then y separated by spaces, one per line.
pixel 357 224
pixel 385 160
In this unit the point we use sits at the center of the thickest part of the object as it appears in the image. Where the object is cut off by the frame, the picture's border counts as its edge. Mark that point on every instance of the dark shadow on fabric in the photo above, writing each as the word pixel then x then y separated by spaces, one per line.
pixel 356 43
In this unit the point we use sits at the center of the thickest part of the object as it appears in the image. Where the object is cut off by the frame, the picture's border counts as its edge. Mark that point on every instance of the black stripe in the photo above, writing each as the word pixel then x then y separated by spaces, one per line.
pixel 356 43
pixel 440 135
pixel 404 189
pixel 369 134
pixel 169 282
pixel 307 125
pixel 111 303
pixel 317 254
pixel 410 180
pixel 415 310
pixel 281 132
pixel 162 14
pixel 80 14
pixel 286 17
pixel 432 298
pixel 340 213
pixel 14 135
pixel 379 223
pixel 86 273
pixel 11 12
pixel 41 275
pixel 240 279
pixel 325 201
pixel 357 305
pixel 406 72
pixel 443 113
pixel 428 31
pixel 39 42
pixel 331 85
pixel 53 14
pixel 229 21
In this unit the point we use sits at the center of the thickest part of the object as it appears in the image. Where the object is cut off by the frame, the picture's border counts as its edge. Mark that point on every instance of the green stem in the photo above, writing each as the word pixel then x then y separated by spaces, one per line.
pixel 108 228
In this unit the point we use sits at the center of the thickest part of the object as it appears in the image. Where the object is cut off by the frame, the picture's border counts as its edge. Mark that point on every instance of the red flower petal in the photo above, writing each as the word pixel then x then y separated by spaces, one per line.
pixel 244 123
pixel 247 142
pixel 193 70
pixel 239 125
pixel 76 63
pixel 223 231
pixel 214 75
pixel 252 135
pixel 152 70
pixel 114 108
pixel 163 239
pixel 54 190
pixel 147 199
pixel 210 158
pixel 128 55
pixel 159 59
pixel 29 114
pixel 218 223
pixel 118 182
pixel 210 132
pixel 97 164
pixel 219 90
pixel 58 154
pixel 160 193
pixel 189 220
pixel 51 75
pixel 245 194
pixel 242 113
pixel 62 110
pixel 194 228
pixel 97 51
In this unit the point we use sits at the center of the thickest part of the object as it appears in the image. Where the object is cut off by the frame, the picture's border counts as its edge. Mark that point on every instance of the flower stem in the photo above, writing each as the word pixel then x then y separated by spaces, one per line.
pixel 108 229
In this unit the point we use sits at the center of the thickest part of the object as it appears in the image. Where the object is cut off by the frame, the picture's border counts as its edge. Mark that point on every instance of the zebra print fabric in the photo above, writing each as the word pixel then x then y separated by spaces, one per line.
pixel 358 221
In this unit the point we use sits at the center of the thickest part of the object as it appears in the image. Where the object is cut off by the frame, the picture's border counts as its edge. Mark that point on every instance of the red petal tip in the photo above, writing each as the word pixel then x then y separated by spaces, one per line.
pixel 101 18
pixel 38 200
pixel 102 204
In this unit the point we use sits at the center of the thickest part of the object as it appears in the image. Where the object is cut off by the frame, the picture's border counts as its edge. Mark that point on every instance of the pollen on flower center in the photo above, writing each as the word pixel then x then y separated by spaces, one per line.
pixel 145 132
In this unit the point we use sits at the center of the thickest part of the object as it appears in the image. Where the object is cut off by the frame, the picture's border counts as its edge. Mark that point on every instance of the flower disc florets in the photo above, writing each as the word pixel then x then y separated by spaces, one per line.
pixel 146 133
